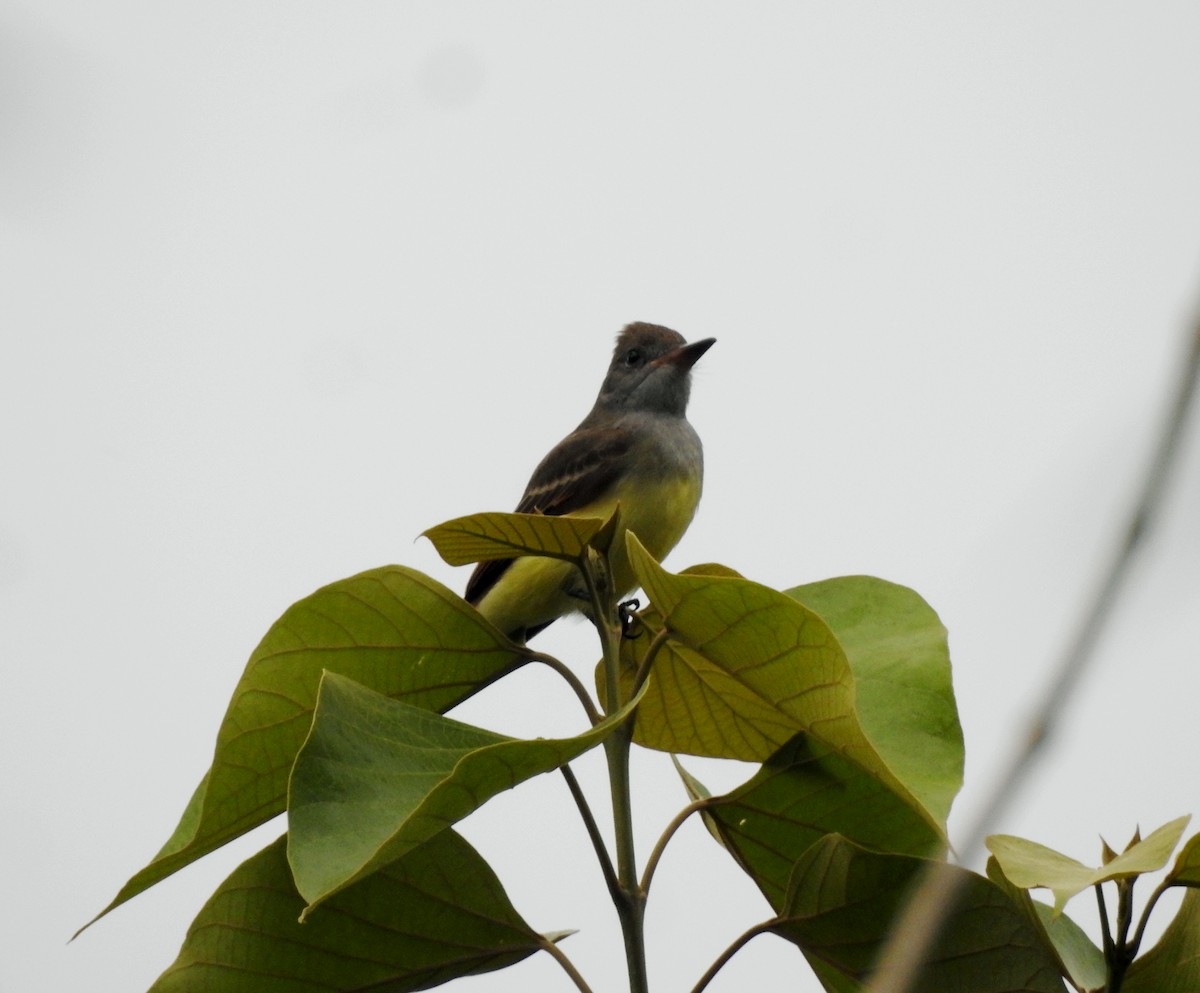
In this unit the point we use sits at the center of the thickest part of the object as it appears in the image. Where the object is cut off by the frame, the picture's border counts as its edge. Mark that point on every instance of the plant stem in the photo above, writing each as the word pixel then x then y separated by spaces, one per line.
pixel 572 680
pixel 667 835
pixel 593 830
pixel 732 950
pixel 1124 909
pixel 629 898
pixel 1122 954
pixel 1105 930
pixel 568 966
pixel 651 654
pixel 1159 890
pixel 608 626
pixel 631 905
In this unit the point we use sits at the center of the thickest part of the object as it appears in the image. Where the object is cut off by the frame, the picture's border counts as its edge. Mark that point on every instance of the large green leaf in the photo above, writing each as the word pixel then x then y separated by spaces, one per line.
pixel 378 777
pixel 803 792
pixel 392 629
pixel 842 899
pixel 896 646
pixel 1028 864
pixel 1173 965
pixel 700 705
pixel 480 537
pixel 744 670
pixel 436 914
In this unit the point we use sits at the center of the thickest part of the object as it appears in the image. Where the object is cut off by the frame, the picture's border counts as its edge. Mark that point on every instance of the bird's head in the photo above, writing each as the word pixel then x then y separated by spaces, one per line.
pixel 651 370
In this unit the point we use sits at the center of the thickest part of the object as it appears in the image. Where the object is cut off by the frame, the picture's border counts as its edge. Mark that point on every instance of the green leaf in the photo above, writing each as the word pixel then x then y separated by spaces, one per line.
pixel 378 777
pixel 896 646
pixel 392 629
pixel 1028 864
pixel 481 537
pixel 434 915
pixel 702 705
pixel 1186 871
pixel 1173 965
pixel 745 669
pixel 1150 853
pixel 840 905
pixel 804 792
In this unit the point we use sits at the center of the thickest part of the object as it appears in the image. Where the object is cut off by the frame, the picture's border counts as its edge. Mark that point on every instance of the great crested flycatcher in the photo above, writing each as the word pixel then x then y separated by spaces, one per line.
pixel 635 448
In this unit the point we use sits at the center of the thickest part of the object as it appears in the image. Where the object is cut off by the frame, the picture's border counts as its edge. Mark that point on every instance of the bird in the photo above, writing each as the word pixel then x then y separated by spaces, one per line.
pixel 635 448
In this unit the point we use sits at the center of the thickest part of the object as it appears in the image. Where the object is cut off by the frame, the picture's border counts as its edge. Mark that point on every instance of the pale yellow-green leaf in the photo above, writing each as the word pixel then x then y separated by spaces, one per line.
pixel 1150 854
pixel 482 537
pixel 1028 864
pixel 745 669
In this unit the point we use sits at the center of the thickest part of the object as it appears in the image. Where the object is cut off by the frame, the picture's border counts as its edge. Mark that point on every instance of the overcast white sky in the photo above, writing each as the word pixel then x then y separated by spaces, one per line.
pixel 285 284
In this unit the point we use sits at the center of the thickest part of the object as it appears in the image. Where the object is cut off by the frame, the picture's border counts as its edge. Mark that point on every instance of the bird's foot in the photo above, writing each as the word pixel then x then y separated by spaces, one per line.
pixel 626 611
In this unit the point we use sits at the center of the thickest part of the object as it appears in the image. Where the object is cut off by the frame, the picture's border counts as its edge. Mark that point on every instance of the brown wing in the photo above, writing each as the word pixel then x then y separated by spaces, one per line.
pixel 578 470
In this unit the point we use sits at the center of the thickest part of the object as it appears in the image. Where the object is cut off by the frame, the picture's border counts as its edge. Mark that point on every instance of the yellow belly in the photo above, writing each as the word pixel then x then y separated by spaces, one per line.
pixel 658 513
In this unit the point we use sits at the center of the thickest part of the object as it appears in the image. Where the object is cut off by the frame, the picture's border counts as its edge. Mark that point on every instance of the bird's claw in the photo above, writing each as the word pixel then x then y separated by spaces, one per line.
pixel 626 611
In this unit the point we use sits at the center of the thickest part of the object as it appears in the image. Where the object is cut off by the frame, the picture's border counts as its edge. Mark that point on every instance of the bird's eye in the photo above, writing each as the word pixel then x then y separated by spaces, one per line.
pixel 633 356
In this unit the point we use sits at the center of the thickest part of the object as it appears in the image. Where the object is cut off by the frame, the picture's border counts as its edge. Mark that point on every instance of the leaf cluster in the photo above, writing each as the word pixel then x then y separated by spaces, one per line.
pixel 840 691
pixel 1172 966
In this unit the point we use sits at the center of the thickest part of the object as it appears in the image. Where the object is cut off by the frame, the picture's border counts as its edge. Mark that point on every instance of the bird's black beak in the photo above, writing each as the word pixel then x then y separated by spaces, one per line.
pixel 686 356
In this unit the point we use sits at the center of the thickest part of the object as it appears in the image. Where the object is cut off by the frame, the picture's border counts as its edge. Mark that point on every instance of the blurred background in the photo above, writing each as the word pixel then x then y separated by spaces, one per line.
pixel 286 284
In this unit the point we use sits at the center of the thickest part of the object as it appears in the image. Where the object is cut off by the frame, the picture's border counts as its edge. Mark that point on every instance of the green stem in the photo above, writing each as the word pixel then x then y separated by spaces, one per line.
pixel 608 625
pixel 652 651
pixel 667 835
pixel 568 966
pixel 630 900
pixel 732 950
pixel 1122 955
pixel 1105 930
pixel 571 679
pixel 631 905
pixel 1141 928
pixel 593 830
pixel 1124 909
